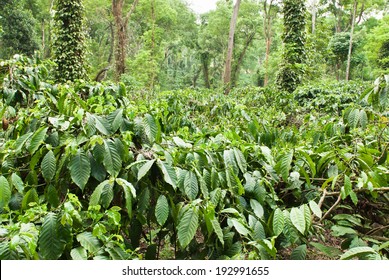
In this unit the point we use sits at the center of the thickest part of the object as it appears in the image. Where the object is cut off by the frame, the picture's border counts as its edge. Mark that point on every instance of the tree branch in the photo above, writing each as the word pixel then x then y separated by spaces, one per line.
pixel 131 11
pixel 332 208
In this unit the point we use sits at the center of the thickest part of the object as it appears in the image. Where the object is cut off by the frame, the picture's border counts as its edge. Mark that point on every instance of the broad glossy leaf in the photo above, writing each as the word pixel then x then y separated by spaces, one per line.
pixel 298 219
pixel 31 196
pixel 80 169
pixel 19 143
pixel 257 208
pixel 5 192
pixel 17 182
pixel 89 242
pixel 37 139
pixel 48 166
pixel 278 222
pixel 161 210
pixel 95 197
pixel 128 185
pixel 150 128
pixel 187 226
pixel 145 169
pixel 191 185
pixel 299 253
pixel 51 246
pixel 284 165
pixel 357 252
pixel 218 230
pixel 112 160
pixel 169 174
pixel 315 209
pixel 240 227
pixel 106 195
pixel 240 160
pixel 115 119
pixel 230 161
pixel 79 253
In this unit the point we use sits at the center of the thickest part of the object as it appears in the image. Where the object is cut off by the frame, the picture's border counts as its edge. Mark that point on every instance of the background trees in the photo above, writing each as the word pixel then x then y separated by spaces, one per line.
pixel 164 44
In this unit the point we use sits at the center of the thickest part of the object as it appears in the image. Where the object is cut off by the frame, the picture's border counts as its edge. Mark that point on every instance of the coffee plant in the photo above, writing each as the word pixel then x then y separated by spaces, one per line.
pixel 97 171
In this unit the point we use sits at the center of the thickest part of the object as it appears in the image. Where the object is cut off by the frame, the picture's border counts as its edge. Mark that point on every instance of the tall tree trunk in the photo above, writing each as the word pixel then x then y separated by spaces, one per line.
pixel 230 48
pixel 121 24
pixel 238 64
pixel 268 36
pixel 205 66
pixel 314 14
pixel 351 40
pixel 153 75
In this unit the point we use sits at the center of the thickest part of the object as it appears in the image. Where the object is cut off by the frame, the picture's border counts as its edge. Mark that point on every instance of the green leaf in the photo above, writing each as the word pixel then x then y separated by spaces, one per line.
pixel 80 169
pixel 126 184
pixel 357 252
pixel 202 183
pixel 191 185
pixel 181 143
pixel 89 242
pixel 48 166
pixel 106 195
pixel 51 246
pixel 96 195
pixel 278 222
pixel 169 174
pixel 240 160
pixel 218 230
pixel 284 165
pixel 112 160
pixel 229 161
pixel 298 219
pixel 17 182
pixel 161 210
pixel 315 209
pixel 102 125
pixel 115 119
pixel 239 226
pixel 30 197
pixel 37 139
pixel 79 253
pixel 299 253
pixel 257 208
pixel 259 232
pixel 329 251
pixel 347 187
pixel 19 143
pixel 145 169
pixel 150 128
pixel 5 192
pixel 187 226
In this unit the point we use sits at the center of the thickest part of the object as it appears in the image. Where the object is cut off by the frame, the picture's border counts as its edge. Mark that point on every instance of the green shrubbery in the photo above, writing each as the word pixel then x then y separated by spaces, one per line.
pixel 92 171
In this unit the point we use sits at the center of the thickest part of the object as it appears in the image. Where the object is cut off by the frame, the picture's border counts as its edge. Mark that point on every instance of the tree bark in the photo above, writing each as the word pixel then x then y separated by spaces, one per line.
pixel 238 64
pixel 121 24
pixel 205 66
pixel 268 36
pixel 351 40
pixel 230 48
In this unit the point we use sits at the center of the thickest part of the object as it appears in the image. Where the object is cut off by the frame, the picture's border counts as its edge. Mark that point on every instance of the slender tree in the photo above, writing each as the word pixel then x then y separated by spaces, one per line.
pixel 350 48
pixel 230 48
pixel 69 47
pixel 292 67
pixel 121 40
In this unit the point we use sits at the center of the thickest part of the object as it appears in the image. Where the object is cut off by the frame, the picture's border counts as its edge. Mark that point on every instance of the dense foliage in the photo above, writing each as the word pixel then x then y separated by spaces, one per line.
pixel 294 53
pixel 69 41
pixel 92 171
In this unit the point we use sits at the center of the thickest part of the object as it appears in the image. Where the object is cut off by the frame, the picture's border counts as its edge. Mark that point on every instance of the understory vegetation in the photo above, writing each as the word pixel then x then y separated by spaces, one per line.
pixel 103 171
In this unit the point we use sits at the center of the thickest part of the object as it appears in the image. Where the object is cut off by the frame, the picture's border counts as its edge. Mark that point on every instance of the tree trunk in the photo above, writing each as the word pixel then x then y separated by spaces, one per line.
pixel 267 31
pixel 351 40
pixel 205 66
pixel 230 48
pixel 236 68
pixel 121 24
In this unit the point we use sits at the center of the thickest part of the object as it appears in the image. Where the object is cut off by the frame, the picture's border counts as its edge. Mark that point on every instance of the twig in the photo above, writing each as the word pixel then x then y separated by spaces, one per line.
pixel 377 229
pixel 383 189
pixel 332 208
pixel 322 198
